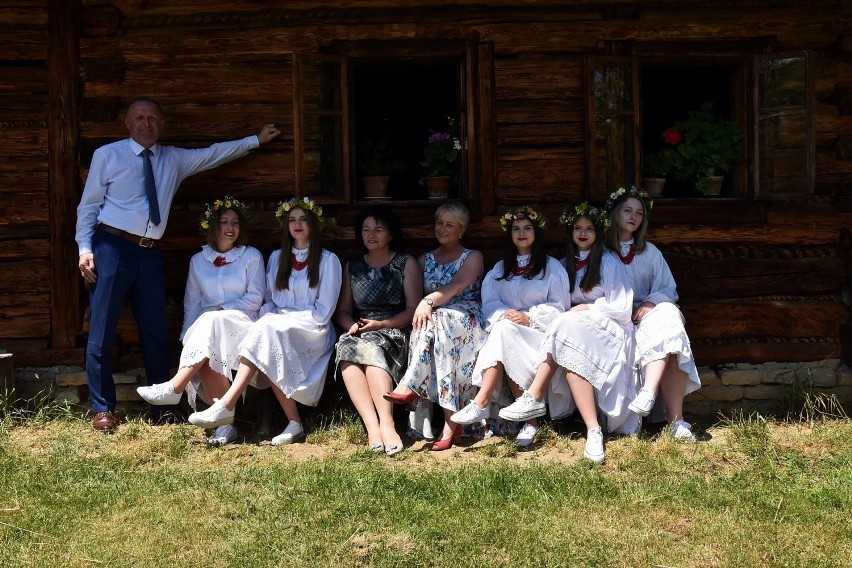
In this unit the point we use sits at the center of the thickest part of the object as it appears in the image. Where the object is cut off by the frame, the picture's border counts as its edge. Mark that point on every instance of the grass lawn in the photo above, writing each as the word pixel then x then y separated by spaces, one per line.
pixel 756 493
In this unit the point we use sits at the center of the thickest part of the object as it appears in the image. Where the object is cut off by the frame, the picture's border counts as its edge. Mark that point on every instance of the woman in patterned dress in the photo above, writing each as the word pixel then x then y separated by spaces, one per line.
pixel 380 292
pixel 291 343
pixel 224 291
pixel 663 352
pixel 592 342
pixel 521 295
pixel 448 328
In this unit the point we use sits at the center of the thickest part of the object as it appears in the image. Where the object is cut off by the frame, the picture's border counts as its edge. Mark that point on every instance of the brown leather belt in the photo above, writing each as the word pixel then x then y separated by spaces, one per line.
pixel 141 241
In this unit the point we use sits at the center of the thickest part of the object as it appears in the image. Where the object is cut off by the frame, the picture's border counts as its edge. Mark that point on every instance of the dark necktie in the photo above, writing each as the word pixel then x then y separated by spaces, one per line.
pixel 150 187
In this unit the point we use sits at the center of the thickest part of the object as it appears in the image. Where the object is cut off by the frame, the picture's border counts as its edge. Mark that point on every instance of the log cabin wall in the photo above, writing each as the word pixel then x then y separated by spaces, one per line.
pixel 760 279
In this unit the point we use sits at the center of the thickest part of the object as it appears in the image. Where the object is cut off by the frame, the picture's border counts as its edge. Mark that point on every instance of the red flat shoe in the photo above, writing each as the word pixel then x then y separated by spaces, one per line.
pixel 409 398
pixel 447 443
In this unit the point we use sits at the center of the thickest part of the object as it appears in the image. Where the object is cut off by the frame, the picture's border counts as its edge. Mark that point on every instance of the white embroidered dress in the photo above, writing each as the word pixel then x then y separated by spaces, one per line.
pixel 661 331
pixel 596 344
pixel 292 341
pixel 219 306
pixel 542 298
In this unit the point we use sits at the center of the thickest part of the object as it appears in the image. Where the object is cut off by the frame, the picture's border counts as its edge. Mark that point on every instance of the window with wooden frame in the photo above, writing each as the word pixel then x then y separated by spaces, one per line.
pixel 392 95
pixel 633 100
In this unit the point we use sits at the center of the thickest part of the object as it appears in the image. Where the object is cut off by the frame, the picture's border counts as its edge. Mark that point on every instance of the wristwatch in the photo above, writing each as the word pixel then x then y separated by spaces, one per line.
pixel 428 301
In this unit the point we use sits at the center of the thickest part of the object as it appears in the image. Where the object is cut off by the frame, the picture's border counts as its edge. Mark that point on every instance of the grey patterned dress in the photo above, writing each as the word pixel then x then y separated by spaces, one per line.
pixel 377 293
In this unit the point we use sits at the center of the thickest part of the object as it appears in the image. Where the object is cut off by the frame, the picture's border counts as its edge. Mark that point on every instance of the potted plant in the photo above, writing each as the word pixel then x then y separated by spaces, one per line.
pixel 439 160
pixel 658 164
pixel 707 150
pixel 377 163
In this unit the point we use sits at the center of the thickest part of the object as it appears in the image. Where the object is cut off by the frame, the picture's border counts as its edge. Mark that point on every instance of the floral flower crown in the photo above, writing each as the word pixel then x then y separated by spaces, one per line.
pixel 525 212
pixel 213 211
pixel 621 194
pixel 573 212
pixel 304 203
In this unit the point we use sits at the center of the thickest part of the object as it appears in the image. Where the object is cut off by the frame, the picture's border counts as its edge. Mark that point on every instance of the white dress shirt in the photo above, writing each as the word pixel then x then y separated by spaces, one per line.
pixel 115 187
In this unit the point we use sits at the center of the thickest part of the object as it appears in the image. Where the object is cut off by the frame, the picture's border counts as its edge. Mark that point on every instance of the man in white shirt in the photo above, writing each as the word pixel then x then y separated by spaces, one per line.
pixel 120 220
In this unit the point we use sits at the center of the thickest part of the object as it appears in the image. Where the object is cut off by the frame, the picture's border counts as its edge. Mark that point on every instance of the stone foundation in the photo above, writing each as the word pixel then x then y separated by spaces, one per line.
pixel 735 387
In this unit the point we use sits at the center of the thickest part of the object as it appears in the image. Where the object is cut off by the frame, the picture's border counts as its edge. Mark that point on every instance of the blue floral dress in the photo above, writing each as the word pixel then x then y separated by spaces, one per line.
pixel 441 357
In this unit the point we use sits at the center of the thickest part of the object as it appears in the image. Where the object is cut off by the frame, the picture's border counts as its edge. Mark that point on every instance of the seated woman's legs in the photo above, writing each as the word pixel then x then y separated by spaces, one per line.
pixel 380 382
pixel 584 397
pixel 355 380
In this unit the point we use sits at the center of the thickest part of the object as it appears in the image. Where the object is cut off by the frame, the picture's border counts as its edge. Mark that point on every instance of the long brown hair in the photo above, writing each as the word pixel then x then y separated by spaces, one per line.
pixel 538 255
pixel 214 225
pixel 592 277
pixel 612 241
pixel 285 265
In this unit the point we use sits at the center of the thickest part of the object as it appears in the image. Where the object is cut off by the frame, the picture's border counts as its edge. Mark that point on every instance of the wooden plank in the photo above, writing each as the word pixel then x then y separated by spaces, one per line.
pixel 64 83
pixel 26 276
pixel 764 351
pixel 234 83
pixel 748 276
pixel 23 177
pixel 24 321
pixel 540 176
pixel 486 129
pixel 564 110
pixel 534 78
pixel 779 318
pixel 28 208
pixel 26 249
pixel 24 44
pixel 541 135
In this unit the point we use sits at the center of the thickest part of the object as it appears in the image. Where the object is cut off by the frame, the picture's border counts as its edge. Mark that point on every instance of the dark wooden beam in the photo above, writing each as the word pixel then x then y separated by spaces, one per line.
pixel 63 133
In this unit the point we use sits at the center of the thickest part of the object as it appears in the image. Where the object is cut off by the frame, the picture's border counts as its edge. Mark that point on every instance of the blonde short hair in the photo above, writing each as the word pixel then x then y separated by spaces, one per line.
pixel 456 209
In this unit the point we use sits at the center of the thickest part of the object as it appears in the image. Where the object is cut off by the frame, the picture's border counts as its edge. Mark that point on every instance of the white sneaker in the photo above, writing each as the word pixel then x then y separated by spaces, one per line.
pixel 527 435
pixel 216 415
pixel 594 449
pixel 682 430
pixel 226 434
pixel 643 403
pixel 471 414
pixel 161 394
pixel 524 408
pixel 292 434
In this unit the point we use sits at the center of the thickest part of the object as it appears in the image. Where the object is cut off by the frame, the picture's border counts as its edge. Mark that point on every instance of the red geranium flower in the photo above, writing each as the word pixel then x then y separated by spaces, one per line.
pixel 672 136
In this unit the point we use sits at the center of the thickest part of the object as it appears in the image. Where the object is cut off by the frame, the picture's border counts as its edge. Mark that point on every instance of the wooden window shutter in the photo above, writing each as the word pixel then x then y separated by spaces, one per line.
pixel 784 151
pixel 321 127
pixel 612 124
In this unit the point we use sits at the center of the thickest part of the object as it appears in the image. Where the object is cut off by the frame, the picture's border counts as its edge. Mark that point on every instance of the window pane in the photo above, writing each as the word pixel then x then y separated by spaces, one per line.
pixel 613 85
pixel 320 85
pixel 785 151
pixel 613 154
pixel 783 82
pixel 323 156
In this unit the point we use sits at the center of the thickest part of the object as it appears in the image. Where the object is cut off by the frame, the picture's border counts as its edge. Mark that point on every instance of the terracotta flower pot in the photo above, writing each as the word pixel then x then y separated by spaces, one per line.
pixel 438 187
pixel 376 187
pixel 654 186
pixel 713 185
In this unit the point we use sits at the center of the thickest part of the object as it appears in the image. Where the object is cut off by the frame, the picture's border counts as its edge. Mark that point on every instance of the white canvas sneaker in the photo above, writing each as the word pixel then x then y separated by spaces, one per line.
pixel 682 430
pixel 524 408
pixel 292 434
pixel 643 403
pixel 161 394
pixel 217 415
pixel 470 414
pixel 594 449
pixel 226 434
pixel 527 435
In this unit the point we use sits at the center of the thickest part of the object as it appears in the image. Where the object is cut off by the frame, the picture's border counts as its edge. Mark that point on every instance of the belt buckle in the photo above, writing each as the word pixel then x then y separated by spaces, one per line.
pixel 146 242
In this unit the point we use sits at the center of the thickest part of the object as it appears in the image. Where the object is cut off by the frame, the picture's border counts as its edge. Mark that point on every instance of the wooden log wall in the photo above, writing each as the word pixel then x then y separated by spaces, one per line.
pixel 759 280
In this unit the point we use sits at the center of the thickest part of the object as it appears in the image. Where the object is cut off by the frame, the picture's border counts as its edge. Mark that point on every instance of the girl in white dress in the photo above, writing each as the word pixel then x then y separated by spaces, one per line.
pixel 448 328
pixel 663 353
pixel 592 341
pixel 521 296
pixel 224 291
pixel 291 343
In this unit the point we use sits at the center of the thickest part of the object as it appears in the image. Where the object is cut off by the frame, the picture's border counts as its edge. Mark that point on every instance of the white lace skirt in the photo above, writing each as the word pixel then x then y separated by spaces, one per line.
pixel 516 347
pixel 214 336
pixel 662 332
pixel 292 354
pixel 598 349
